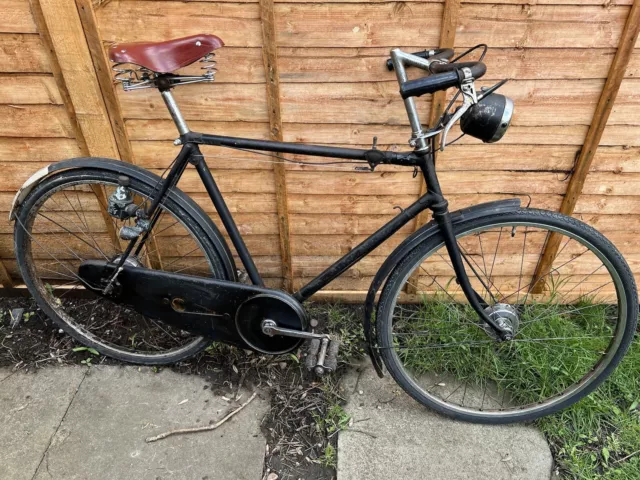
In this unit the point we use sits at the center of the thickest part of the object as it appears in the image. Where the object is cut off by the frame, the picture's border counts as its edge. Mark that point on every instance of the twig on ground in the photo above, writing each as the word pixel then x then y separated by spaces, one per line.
pixel 201 429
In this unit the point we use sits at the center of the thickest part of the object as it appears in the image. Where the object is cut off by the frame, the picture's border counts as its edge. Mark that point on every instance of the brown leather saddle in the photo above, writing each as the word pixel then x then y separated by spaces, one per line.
pixel 165 57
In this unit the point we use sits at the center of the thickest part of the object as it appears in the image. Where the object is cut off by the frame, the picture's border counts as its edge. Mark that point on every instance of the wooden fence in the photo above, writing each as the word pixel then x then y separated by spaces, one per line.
pixel 313 71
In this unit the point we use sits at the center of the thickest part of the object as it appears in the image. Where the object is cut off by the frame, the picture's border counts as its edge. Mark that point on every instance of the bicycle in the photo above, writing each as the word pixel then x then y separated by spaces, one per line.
pixel 126 263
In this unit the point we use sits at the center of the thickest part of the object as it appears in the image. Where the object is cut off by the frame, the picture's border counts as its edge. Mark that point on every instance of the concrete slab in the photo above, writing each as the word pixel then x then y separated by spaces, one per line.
pixel 5 373
pixel 413 442
pixel 31 409
pixel 103 434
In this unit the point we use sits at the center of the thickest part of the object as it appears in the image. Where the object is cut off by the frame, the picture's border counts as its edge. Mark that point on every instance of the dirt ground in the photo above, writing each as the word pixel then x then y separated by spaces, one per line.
pixel 301 427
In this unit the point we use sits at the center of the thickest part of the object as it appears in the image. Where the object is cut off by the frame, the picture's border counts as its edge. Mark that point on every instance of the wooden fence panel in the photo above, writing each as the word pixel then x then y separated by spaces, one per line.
pixel 334 89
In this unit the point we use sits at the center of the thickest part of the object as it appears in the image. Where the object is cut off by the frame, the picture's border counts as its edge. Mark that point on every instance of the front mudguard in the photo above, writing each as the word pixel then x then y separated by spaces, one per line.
pixel 142 175
pixel 421 235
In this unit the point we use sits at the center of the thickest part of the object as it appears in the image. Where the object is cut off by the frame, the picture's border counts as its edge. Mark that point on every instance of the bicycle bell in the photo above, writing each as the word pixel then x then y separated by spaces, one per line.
pixel 488 119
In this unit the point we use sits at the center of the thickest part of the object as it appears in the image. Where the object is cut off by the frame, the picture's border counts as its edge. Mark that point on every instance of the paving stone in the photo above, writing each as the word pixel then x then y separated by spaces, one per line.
pixel 413 442
pixel 103 434
pixel 32 405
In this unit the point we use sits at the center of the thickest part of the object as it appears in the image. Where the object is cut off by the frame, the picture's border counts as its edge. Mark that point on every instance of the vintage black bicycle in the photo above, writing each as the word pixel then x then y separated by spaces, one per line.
pixel 460 314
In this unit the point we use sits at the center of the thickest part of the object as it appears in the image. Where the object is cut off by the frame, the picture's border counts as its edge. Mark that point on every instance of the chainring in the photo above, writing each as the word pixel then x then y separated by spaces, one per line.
pixel 287 313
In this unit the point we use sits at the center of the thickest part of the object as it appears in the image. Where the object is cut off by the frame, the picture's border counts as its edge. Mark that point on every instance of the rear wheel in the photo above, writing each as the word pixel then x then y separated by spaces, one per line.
pixel 570 328
pixel 64 221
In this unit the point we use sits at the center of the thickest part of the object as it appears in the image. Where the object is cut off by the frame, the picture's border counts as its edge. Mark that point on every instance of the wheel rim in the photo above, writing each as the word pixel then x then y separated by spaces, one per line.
pixel 449 380
pixel 68 224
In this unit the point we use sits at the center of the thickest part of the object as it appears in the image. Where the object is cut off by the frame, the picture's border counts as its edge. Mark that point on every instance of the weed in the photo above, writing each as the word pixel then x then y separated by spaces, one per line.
pixel 329 457
pixel 87 361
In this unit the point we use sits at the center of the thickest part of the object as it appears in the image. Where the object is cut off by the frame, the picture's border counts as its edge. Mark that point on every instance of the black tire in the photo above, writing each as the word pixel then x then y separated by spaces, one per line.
pixel 177 204
pixel 625 328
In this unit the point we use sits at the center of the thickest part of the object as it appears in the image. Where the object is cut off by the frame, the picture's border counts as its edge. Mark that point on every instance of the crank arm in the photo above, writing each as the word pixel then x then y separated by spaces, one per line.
pixel 271 328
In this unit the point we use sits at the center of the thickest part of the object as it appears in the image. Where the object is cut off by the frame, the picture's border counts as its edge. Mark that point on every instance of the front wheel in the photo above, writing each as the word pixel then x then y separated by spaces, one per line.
pixel 570 328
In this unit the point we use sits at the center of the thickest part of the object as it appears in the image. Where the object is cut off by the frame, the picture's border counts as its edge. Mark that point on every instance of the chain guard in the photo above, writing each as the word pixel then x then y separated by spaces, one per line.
pixel 226 311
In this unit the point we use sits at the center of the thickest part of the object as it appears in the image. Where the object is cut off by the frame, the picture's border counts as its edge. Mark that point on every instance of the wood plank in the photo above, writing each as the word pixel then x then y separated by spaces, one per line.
pixel 309 224
pixel 387 204
pixel 5 277
pixel 579 180
pixel 390 183
pixel 229 181
pixel 16 17
pixel 270 62
pixel 104 76
pixel 338 245
pixel 611 223
pixel 35 121
pixel 37 149
pixel 23 53
pixel 318 65
pixel 29 90
pixel 337 25
pixel 237 202
pixel 131 21
pixel 246 103
pixel 141 129
pixel 159 154
pixel 550 26
pixel 359 134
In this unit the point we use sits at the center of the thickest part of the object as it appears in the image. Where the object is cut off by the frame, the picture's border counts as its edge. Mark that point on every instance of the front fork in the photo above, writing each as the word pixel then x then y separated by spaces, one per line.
pixel 443 218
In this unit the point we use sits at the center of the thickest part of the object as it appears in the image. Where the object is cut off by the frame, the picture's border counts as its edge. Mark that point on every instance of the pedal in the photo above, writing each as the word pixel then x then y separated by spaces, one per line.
pixel 312 354
pixel 322 355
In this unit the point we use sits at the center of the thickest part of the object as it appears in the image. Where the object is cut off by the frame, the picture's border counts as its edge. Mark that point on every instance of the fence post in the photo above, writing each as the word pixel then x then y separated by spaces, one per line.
pixel 99 132
pixel 5 278
pixel 270 60
pixel 592 141
pixel 104 76
pixel 450 17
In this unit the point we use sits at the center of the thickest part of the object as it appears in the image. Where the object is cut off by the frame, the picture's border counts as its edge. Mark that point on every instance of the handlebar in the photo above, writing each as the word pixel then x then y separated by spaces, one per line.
pixel 436 54
pixel 446 75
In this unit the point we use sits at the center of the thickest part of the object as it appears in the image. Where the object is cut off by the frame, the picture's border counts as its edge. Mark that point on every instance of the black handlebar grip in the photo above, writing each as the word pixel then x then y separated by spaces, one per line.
pixel 478 69
pixel 433 83
pixel 443 53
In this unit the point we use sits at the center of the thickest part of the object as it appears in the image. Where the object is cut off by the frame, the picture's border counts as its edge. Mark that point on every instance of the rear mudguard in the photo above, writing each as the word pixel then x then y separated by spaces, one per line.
pixel 419 236
pixel 150 179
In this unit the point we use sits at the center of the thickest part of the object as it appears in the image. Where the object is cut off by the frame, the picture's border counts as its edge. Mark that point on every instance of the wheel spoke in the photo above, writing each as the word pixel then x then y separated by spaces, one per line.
pixel 63 229
pixel 560 335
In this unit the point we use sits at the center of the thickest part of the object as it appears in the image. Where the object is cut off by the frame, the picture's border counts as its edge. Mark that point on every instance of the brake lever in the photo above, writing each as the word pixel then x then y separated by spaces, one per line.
pixel 469 98
pixel 461 110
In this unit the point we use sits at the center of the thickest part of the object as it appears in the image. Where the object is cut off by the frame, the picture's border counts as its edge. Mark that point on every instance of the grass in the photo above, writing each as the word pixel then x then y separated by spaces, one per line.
pixel 597 438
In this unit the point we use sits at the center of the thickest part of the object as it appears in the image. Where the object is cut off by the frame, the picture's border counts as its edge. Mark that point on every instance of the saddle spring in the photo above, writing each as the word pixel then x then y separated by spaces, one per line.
pixel 209 66
pixel 135 77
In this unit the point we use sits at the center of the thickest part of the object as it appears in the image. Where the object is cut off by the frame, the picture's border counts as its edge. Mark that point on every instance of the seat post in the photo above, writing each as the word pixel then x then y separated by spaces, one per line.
pixel 176 115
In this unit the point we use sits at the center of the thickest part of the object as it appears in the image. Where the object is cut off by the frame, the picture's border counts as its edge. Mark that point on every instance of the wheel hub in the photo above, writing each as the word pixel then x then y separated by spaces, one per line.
pixel 130 261
pixel 505 316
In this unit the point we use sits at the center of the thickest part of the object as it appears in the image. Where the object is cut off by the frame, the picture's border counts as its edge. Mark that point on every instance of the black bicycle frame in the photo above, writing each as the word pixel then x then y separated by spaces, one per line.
pixel 433 199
